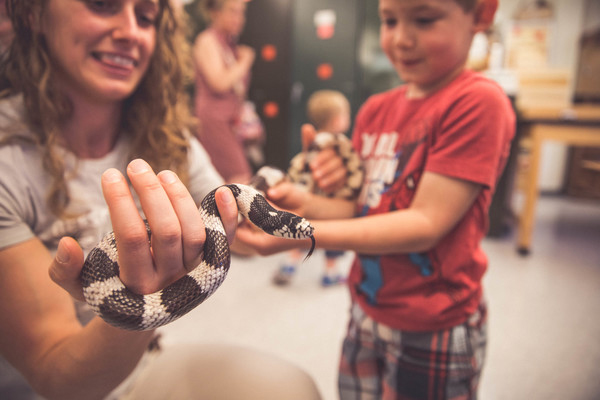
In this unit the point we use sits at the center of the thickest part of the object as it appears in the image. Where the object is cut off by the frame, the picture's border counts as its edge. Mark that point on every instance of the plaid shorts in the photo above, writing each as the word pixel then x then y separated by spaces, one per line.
pixel 379 362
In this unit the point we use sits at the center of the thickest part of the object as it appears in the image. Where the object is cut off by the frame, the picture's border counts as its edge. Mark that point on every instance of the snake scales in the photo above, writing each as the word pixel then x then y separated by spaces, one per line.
pixel 117 305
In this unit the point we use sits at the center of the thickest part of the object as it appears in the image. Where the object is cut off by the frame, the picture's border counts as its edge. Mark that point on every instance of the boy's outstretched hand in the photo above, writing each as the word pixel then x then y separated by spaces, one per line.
pixel 264 244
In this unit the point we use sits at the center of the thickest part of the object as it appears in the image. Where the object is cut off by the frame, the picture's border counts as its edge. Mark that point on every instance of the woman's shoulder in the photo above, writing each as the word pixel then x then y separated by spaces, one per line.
pixel 13 127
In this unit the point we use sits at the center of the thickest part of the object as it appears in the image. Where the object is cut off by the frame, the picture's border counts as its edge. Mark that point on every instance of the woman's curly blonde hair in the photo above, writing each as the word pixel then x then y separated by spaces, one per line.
pixel 156 115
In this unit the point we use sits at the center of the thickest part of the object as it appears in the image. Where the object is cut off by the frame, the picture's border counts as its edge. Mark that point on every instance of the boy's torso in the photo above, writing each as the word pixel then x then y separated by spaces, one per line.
pixel 399 140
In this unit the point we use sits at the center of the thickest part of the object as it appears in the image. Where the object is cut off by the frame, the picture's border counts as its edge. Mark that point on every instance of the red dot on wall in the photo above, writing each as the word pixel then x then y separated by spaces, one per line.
pixel 271 109
pixel 324 71
pixel 325 31
pixel 269 52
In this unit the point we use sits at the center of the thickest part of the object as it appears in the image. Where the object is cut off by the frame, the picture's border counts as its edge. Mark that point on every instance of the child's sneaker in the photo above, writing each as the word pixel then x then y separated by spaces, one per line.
pixel 284 275
pixel 332 280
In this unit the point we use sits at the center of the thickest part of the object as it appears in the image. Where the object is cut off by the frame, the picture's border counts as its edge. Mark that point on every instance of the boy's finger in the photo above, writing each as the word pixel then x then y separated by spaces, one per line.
pixel 308 136
pixel 326 161
pixel 332 181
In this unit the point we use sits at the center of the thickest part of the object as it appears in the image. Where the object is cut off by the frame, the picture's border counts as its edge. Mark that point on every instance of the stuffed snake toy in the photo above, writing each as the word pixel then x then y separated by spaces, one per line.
pixel 112 301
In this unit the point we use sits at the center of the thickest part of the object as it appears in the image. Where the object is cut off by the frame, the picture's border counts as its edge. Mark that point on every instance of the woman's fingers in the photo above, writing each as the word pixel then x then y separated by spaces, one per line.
pixel 66 267
pixel 166 240
pixel 192 227
pixel 135 258
pixel 178 233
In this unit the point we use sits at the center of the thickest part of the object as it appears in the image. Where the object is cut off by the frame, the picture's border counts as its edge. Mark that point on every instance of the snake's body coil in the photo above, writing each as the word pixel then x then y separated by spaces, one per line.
pixel 117 305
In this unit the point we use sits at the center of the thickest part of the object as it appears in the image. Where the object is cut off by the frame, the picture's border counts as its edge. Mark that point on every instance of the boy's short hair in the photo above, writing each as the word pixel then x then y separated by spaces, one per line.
pixel 323 105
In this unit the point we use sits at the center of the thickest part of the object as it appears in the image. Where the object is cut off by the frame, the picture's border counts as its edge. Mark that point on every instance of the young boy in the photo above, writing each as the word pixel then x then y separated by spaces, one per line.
pixel 328 111
pixel 433 150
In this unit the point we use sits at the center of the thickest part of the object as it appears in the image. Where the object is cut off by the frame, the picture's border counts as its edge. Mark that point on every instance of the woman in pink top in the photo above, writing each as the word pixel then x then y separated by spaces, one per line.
pixel 222 77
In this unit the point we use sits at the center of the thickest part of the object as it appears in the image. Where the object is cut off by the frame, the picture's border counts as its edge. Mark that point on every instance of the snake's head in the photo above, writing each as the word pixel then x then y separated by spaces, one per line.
pixel 295 227
pixel 305 230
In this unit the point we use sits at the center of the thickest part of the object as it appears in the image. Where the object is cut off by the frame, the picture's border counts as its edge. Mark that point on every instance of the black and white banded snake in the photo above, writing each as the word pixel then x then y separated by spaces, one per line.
pixel 111 300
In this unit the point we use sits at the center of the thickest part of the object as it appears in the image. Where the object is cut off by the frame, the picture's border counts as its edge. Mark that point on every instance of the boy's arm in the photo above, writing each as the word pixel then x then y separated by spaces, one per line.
pixel 438 205
pixel 289 197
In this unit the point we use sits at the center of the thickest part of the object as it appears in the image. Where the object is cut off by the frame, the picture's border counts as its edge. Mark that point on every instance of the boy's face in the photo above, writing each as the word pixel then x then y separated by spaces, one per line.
pixel 427 41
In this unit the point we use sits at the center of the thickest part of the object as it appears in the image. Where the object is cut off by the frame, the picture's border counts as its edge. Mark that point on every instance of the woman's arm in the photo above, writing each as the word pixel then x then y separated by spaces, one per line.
pixel 438 205
pixel 39 332
pixel 41 336
pixel 208 57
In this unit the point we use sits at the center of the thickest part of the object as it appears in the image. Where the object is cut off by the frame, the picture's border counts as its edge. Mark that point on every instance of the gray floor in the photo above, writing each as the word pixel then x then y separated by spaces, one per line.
pixel 544 340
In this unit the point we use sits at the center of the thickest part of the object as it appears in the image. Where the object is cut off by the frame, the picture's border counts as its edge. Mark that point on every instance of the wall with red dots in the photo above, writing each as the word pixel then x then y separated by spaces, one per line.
pixel 268 31
pixel 307 45
pixel 325 54
pixel 301 46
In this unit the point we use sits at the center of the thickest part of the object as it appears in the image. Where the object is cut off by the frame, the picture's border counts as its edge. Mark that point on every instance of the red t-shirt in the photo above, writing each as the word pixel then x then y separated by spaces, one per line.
pixel 462 131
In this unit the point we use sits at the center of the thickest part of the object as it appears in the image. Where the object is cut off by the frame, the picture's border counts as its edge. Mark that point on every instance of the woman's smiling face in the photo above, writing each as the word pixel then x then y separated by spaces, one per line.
pixel 100 49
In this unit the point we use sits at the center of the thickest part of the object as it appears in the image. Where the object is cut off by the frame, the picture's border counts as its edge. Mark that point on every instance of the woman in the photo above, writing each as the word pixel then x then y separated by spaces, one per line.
pixel 86 86
pixel 222 76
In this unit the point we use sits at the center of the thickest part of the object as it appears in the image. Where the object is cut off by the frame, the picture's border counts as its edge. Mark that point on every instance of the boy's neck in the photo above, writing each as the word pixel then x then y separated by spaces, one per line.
pixel 414 91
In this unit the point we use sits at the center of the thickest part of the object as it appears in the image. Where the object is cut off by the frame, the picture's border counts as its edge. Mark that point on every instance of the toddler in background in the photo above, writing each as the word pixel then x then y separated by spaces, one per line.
pixel 328 111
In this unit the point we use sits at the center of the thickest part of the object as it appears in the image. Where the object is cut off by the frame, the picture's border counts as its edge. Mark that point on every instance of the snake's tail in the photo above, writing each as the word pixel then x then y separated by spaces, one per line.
pixel 312 248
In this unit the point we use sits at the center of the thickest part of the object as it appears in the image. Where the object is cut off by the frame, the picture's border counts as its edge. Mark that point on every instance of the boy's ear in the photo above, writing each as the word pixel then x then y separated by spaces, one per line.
pixel 484 14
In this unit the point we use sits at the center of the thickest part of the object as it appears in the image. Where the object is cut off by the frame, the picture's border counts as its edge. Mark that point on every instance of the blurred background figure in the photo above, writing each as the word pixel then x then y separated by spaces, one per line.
pixel 6 31
pixel 222 78
pixel 328 111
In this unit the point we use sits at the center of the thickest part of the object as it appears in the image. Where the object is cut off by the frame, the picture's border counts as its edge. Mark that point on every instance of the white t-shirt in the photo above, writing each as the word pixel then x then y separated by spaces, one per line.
pixel 24 186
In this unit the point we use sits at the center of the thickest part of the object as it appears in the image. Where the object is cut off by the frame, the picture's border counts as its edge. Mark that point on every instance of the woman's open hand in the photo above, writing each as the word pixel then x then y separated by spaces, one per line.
pixel 178 232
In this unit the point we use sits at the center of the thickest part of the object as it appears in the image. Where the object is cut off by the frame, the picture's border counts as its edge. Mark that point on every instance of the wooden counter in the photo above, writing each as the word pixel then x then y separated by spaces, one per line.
pixel 577 126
